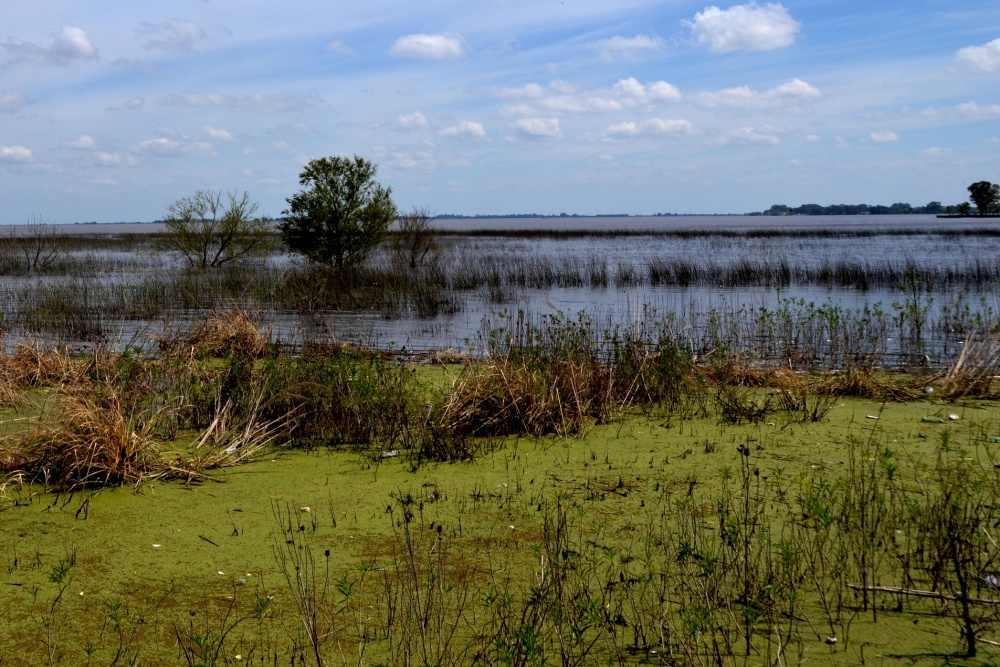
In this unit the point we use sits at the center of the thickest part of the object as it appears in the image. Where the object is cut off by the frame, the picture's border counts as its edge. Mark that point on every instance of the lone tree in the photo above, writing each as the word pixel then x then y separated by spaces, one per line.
pixel 341 213
pixel 986 196
pixel 209 229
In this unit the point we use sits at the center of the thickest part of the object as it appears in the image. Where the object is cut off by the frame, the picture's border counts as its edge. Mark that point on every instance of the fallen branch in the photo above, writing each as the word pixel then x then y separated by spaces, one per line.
pixel 913 592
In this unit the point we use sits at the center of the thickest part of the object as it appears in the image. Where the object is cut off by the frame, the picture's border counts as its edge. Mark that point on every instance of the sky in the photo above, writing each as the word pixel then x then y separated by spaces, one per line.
pixel 110 111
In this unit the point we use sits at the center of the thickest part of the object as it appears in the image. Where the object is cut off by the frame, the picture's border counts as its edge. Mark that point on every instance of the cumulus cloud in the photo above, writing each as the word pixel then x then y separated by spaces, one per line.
pixel 258 102
pixel 657 91
pixel 218 133
pixel 83 142
pixel 984 58
pixel 884 137
pixel 561 97
pixel 409 159
pixel 617 46
pixel 174 36
pixel 11 102
pixel 105 159
pixel 429 47
pixel 171 146
pixel 529 91
pixel 337 46
pixel 744 97
pixel 68 44
pixel 413 121
pixel 749 27
pixel 650 127
pixel 965 112
pixel 466 129
pixel 15 154
pixel 536 128
pixel 748 136
pixel 934 151
pixel 581 103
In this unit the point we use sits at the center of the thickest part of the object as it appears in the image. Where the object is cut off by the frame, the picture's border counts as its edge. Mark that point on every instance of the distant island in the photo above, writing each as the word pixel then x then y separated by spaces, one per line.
pixel 932 208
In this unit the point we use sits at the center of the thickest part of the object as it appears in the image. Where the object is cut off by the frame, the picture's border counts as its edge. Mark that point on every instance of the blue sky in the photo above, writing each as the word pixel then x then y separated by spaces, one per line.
pixel 110 111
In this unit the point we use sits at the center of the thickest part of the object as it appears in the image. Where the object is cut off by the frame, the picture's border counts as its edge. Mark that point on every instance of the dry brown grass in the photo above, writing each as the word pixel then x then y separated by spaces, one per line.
pixel 32 366
pixel 972 374
pixel 863 382
pixel 93 441
pixel 505 397
pixel 221 334
pixel 97 436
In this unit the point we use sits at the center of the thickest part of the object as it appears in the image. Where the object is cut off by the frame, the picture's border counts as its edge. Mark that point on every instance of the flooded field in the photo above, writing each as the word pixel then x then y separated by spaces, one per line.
pixel 891 288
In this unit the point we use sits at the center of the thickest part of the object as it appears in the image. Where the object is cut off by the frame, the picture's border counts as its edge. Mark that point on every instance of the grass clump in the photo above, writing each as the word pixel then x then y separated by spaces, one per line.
pixel 220 334
pixel 93 442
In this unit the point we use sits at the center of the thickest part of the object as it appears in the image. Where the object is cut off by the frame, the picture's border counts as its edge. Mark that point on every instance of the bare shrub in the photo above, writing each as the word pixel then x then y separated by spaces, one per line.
pixel 414 243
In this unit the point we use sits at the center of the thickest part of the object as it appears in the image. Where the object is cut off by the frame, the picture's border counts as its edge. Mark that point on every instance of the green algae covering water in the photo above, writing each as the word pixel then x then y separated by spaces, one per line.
pixel 652 540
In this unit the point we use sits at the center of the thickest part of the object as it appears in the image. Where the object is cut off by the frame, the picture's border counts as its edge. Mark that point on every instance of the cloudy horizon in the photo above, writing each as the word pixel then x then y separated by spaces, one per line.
pixel 111 112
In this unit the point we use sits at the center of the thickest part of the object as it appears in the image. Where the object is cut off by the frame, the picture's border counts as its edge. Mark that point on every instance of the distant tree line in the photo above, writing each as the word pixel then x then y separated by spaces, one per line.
pixel 933 207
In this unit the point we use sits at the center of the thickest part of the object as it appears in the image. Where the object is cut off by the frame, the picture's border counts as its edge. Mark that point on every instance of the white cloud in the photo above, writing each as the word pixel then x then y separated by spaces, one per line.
pixel 173 36
pixel 257 102
pixel 11 102
pixel 530 91
pixel 650 127
pixel 884 136
pixel 517 110
pixel 748 136
pixel 466 129
pixel 105 159
pixel 83 142
pixel 413 121
pixel 337 46
pixel 657 91
pixel 168 146
pixel 536 128
pixel 627 46
pixel 70 43
pixel 15 154
pixel 749 27
pixel 814 138
pixel 135 103
pixel 934 151
pixel 563 87
pixel 561 97
pixel 744 97
pixel 967 111
pixel 984 58
pixel 411 160
pixel 433 47
pixel 581 104
pixel 281 146
pixel 218 133
pixel 160 146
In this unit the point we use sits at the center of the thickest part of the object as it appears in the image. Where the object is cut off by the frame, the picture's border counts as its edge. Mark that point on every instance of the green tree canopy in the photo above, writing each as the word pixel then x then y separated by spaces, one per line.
pixel 209 229
pixel 986 196
pixel 341 213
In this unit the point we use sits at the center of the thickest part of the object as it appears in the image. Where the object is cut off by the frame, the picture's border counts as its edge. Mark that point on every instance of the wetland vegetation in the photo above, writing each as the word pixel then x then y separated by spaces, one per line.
pixel 204 467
